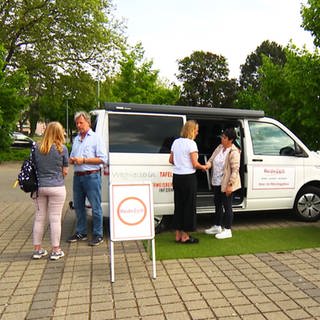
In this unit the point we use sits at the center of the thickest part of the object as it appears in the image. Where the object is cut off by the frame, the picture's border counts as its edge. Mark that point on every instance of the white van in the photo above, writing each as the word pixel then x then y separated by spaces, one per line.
pixel 277 170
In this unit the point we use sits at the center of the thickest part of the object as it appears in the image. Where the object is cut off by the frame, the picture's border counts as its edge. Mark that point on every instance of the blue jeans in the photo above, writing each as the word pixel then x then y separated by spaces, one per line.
pixel 88 186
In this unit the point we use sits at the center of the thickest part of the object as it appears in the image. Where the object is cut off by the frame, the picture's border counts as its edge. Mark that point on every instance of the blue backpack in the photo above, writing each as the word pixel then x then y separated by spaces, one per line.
pixel 27 177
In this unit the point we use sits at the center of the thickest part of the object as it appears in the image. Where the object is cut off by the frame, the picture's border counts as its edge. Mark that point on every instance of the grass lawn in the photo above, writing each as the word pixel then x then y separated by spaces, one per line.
pixel 242 242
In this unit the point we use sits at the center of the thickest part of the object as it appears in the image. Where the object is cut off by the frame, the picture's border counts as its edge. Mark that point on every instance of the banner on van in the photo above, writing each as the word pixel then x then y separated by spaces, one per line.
pixel 270 177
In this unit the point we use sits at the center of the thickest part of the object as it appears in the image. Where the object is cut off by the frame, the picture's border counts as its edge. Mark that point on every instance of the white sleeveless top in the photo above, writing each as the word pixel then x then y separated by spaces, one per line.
pixel 181 149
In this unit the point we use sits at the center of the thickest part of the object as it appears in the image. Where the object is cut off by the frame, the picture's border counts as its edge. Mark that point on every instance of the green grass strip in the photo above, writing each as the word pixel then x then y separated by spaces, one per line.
pixel 242 242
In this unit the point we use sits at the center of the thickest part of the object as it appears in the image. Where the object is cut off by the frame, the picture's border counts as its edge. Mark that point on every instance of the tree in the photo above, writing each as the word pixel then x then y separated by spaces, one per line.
pixel 290 93
pixel 60 34
pixel 138 82
pixel 311 19
pixel 75 92
pixel 249 76
pixel 205 81
pixel 49 38
pixel 302 74
pixel 12 100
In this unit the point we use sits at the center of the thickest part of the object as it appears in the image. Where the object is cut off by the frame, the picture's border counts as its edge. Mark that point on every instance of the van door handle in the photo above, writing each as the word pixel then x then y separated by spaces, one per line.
pixel 257 160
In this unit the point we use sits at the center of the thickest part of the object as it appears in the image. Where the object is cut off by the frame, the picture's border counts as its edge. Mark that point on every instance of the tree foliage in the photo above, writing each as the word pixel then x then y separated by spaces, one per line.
pixel 205 81
pixel 53 38
pixel 75 91
pixel 290 93
pixel 61 34
pixel 249 75
pixel 311 19
pixel 12 100
pixel 138 82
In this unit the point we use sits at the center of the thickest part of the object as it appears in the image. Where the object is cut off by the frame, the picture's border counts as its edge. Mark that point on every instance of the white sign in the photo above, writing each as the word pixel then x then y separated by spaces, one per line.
pixel 131 216
pixel 131 211
pixel 280 177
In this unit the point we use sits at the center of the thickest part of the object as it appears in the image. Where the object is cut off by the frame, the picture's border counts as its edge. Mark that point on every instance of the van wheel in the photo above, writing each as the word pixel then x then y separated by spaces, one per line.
pixel 307 204
pixel 158 220
pixel 162 223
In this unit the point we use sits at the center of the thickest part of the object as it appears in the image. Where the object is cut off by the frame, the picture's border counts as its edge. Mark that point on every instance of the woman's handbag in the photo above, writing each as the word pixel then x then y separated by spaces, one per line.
pixel 27 177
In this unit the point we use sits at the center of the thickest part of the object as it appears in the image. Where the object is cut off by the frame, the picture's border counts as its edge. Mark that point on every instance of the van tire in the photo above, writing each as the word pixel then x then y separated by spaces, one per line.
pixel 162 223
pixel 158 224
pixel 307 204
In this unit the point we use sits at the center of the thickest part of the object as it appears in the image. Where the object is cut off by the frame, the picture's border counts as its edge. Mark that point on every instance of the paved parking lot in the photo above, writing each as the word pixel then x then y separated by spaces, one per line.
pixel 261 286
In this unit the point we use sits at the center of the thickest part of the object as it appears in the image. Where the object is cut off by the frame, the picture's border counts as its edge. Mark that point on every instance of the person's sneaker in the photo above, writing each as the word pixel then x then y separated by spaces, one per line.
pixel 56 255
pixel 96 241
pixel 226 233
pixel 77 237
pixel 38 254
pixel 213 230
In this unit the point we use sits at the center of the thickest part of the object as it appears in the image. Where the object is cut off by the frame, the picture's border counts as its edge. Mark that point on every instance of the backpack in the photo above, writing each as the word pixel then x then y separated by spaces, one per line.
pixel 27 177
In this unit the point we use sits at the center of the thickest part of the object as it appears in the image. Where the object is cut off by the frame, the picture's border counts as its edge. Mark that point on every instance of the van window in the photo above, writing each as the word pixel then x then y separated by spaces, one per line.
pixel 268 139
pixel 142 133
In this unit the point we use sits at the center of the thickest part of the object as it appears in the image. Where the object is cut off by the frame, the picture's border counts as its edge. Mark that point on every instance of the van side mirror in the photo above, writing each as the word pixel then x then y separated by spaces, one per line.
pixel 287 151
pixel 290 152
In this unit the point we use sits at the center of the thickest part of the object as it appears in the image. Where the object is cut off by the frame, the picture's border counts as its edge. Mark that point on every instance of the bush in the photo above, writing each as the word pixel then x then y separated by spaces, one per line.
pixel 14 154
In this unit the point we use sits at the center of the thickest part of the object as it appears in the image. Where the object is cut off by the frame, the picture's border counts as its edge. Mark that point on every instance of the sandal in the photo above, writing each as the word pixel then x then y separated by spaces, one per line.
pixel 190 241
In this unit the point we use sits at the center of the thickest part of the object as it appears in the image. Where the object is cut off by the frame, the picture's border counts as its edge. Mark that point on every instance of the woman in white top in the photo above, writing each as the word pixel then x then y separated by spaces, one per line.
pixel 184 157
pixel 225 163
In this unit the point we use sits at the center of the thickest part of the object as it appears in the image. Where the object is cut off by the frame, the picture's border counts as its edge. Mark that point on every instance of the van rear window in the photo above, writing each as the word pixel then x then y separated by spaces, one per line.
pixel 142 133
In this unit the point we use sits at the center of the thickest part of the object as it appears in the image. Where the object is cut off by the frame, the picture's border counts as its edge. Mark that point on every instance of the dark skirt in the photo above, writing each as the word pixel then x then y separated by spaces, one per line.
pixel 185 192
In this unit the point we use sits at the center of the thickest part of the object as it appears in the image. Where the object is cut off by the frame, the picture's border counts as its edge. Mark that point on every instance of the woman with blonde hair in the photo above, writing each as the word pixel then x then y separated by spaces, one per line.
pixel 184 157
pixel 51 157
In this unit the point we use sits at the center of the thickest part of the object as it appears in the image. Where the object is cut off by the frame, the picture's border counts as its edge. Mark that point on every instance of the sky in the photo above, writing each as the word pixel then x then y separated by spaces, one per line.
pixel 170 30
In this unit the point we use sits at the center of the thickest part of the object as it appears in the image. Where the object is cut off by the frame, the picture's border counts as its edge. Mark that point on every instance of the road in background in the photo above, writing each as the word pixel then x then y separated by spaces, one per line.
pixel 9 172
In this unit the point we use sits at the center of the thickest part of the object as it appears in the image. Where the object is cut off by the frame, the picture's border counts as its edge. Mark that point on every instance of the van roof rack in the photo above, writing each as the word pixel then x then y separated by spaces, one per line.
pixel 170 109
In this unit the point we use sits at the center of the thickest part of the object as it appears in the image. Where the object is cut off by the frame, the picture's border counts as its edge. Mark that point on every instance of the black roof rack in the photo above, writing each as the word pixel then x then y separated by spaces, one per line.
pixel 197 111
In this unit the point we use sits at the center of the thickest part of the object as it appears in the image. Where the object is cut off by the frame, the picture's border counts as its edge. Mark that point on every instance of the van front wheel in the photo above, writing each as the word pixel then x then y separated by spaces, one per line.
pixel 158 224
pixel 162 223
pixel 307 204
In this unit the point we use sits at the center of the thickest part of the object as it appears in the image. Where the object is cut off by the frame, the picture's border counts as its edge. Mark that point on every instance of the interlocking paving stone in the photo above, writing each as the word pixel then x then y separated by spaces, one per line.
pixel 297 314
pixel 121 313
pixel 227 311
pixel 201 314
pixel 169 299
pixel 237 301
pixel 102 315
pixel 178 316
pixel 314 311
pixel 173 307
pixel 150 310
